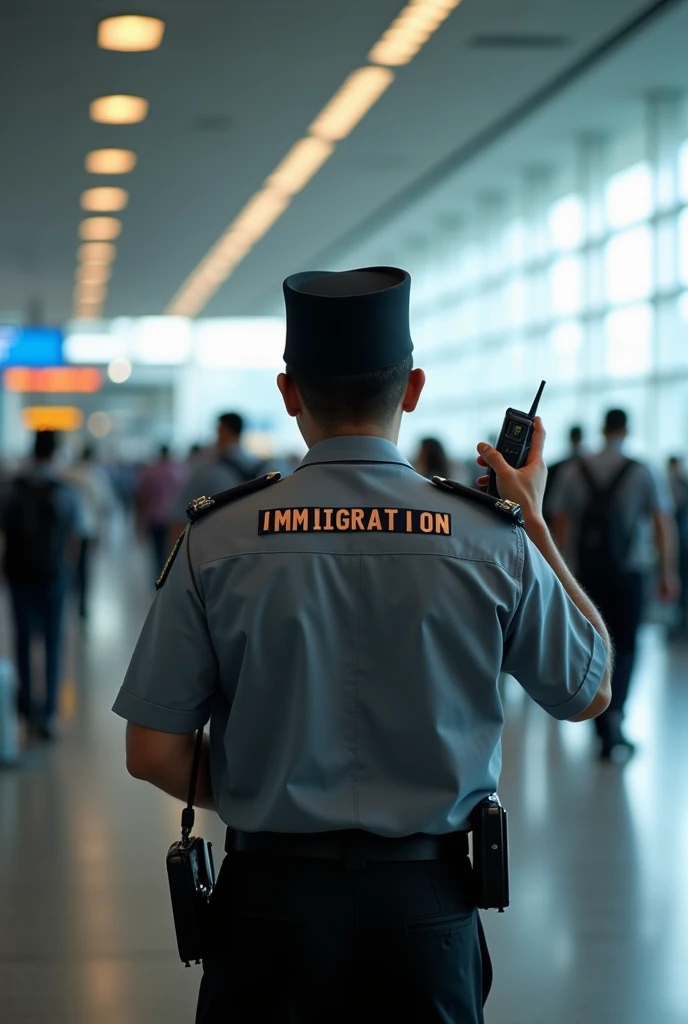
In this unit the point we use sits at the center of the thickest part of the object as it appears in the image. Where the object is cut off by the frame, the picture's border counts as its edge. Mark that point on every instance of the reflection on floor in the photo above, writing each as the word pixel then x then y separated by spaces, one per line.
pixel 598 927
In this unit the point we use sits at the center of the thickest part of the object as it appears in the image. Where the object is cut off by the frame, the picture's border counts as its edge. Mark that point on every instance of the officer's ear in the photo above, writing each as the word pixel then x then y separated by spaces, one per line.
pixel 414 390
pixel 290 395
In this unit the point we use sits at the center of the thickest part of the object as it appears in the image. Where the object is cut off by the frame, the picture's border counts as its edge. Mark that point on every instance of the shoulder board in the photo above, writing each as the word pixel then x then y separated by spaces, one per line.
pixel 200 507
pixel 506 509
pixel 170 561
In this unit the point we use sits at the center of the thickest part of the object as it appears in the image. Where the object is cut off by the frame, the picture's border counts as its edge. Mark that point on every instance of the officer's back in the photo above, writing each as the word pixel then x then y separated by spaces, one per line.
pixel 344 630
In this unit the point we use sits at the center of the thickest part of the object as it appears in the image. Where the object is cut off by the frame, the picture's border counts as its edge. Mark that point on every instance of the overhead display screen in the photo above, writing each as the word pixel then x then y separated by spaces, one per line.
pixel 31 346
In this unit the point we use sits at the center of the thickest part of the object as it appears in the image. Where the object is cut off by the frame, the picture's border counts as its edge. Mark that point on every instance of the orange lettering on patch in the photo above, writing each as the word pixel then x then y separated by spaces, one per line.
pixel 266 520
pixel 442 523
pixel 316 518
pixel 328 518
pixel 283 519
pixel 343 519
pixel 409 521
pixel 357 519
pixel 300 519
pixel 374 523
pixel 426 523
pixel 391 515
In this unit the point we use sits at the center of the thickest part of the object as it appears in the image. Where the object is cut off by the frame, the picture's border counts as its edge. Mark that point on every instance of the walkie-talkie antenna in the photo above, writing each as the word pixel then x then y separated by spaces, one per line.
pixel 536 400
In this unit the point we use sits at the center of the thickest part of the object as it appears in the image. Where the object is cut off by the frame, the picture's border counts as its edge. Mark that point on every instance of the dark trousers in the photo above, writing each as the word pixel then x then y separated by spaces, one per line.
pixel 620 600
pixel 298 941
pixel 83 575
pixel 159 535
pixel 38 610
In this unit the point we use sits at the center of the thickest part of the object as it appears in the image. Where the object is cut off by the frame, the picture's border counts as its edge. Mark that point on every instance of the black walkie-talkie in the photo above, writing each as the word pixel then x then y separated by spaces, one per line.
pixel 515 438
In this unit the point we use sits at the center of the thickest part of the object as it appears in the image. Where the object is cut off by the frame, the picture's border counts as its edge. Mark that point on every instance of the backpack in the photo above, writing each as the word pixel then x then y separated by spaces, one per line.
pixel 244 472
pixel 35 533
pixel 602 543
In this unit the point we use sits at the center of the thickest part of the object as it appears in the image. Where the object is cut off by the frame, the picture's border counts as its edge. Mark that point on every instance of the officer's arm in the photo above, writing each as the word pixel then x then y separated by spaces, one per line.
pixel 165 759
pixel 540 536
pixel 171 683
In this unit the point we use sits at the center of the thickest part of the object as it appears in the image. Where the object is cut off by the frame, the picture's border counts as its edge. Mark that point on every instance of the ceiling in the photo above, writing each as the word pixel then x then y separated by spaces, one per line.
pixel 232 87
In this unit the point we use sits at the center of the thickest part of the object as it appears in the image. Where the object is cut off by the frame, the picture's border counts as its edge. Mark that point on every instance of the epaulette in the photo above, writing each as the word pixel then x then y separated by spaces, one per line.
pixel 507 509
pixel 200 507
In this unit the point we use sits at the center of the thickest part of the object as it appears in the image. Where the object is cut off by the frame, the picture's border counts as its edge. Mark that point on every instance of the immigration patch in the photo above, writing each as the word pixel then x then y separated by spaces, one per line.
pixel 353 520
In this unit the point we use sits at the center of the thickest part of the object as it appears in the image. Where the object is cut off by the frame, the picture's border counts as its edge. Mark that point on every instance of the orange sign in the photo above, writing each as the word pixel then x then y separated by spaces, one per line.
pixel 56 379
pixel 52 417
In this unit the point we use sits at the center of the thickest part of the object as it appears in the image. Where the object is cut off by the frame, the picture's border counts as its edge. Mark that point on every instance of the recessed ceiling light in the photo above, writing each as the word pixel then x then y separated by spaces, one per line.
pixel 100 229
pixel 351 103
pixel 130 33
pixel 118 109
pixel 96 252
pixel 104 199
pixel 110 161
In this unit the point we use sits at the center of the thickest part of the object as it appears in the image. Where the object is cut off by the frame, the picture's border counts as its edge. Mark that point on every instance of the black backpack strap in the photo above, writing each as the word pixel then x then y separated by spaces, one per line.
pixel 607 490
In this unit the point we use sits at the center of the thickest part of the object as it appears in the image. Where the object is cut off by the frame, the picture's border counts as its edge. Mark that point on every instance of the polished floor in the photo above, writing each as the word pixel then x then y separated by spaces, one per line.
pixel 598 927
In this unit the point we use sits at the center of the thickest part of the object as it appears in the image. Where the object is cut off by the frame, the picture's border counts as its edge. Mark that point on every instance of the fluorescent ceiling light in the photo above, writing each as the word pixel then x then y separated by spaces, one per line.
pixel 260 213
pixel 110 161
pixel 410 31
pixel 86 292
pixel 130 33
pixel 100 229
pixel 418 20
pixel 96 252
pixel 351 103
pixel 93 273
pixel 118 109
pixel 302 162
pixel 104 199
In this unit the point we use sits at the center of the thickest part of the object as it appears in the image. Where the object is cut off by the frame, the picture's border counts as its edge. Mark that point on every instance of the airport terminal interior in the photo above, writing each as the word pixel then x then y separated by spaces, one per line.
pixel 165 167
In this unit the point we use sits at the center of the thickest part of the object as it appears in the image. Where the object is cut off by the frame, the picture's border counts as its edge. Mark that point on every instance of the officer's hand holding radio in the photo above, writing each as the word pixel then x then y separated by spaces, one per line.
pixel 525 486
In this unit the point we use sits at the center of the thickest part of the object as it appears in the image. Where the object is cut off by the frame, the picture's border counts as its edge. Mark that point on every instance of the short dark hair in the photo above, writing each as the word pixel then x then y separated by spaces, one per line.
pixel 232 422
pixel 615 420
pixel 45 444
pixel 576 435
pixel 353 398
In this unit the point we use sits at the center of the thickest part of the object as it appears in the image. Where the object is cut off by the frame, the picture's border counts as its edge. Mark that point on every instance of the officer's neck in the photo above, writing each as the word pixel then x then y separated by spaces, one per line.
pixel 313 432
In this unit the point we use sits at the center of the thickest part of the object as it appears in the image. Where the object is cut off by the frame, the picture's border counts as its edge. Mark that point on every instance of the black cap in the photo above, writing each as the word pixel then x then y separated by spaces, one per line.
pixel 346 323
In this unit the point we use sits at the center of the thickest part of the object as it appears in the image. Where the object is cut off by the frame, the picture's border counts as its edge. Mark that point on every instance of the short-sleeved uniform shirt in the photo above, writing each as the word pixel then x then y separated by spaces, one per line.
pixel 344 631
pixel 639 496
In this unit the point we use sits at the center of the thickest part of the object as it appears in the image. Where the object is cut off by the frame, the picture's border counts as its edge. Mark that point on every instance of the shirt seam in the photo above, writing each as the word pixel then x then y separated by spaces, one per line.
pixel 160 707
pixel 358 554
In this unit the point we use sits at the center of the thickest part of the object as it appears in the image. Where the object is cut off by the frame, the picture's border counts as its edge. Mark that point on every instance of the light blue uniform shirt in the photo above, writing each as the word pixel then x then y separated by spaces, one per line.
pixel 350 674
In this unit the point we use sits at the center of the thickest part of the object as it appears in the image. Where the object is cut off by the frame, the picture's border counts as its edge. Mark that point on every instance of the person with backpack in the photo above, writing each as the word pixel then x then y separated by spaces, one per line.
pixel 612 519
pixel 228 464
pixel 41 521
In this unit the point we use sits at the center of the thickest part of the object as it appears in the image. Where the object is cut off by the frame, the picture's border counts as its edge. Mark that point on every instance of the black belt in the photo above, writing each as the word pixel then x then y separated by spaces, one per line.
pixel 354 848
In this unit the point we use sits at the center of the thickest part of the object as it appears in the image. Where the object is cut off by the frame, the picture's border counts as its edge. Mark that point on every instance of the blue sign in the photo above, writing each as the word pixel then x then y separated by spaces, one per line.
pixel 31 346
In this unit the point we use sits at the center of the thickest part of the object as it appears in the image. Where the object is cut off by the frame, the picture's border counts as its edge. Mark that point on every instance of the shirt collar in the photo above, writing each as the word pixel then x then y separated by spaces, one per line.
pixel 355 448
